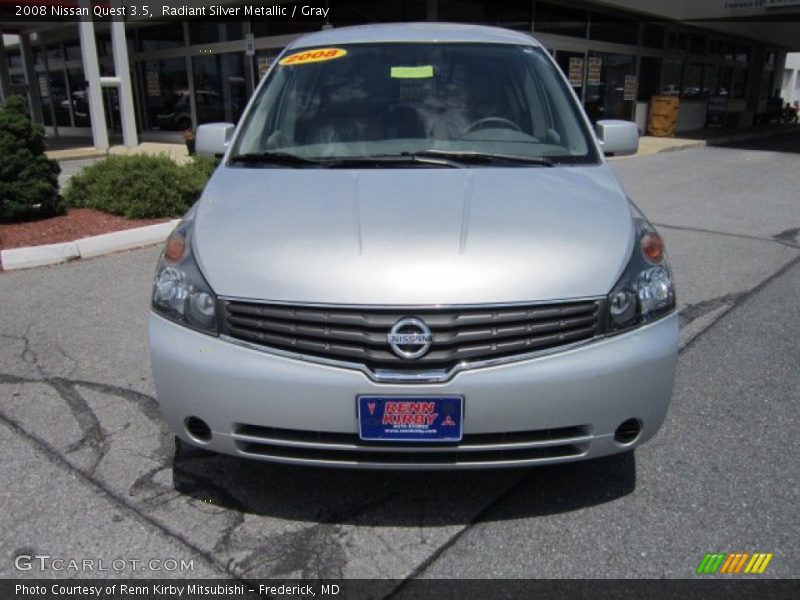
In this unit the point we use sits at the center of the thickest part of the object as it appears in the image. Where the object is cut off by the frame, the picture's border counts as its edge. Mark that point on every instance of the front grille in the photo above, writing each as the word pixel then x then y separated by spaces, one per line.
pixel 482 448
pixel 358 335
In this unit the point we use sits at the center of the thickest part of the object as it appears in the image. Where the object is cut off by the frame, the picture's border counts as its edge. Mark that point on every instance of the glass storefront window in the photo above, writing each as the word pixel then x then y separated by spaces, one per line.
pixel 677 40
pixel 725 81
pixel 73 50
pixel 219 87
pixel 710 80
pixel 742 53
pixel 605 99
pixel 54 54
pixel 210 32
pixel 573 64
pixel 671 78
pixel 716 47
pixel 649 77
pixel 514 14
pixel 285 25
pixel 160 37
pixel 14 59
pixel 105 54
pixel 692 82
pixel 605 28
pixel 730 51
pixel 79 101
pixel 164 89
pixel 765 85
pixel 369 11
pixel 104 45
pixel 697 44
pixel 44 96
pixel 111 108
pixel 54 99
pixel 263 61
pixel 739 82
pixel 652 36
pixel 560 20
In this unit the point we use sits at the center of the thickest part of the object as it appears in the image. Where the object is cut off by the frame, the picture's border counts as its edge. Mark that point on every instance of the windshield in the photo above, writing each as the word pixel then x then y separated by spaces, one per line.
pixel 401 99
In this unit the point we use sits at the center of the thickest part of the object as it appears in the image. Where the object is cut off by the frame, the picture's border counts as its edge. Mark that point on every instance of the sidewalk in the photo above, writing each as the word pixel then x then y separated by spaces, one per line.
pixel 649 145
pixel 177 152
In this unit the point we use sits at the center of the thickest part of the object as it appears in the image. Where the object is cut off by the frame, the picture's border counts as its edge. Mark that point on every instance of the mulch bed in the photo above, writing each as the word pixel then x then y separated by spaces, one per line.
pixel 76 224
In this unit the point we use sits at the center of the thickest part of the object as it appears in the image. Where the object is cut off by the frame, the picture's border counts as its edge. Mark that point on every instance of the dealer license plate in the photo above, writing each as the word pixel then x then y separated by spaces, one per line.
pixel 410 418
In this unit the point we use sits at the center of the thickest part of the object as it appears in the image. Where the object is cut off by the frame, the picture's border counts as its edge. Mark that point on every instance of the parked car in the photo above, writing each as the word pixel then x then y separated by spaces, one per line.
pixel 414 255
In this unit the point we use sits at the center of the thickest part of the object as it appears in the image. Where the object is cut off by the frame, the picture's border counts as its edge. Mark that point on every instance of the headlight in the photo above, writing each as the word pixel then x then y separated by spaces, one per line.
pixel 180 292
pixel 645 291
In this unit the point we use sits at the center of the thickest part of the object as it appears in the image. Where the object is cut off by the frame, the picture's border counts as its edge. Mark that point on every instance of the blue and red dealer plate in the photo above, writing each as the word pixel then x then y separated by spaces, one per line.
pixel 410 418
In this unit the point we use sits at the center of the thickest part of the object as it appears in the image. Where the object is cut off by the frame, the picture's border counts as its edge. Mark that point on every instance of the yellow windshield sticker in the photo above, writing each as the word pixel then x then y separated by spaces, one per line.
pixel 312 56
pixel 412 72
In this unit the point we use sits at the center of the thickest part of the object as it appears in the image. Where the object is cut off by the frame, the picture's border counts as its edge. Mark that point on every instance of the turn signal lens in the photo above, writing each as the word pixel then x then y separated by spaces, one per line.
pixel 653 248
pixel 645 290
pixel 181 293
pixel 176 244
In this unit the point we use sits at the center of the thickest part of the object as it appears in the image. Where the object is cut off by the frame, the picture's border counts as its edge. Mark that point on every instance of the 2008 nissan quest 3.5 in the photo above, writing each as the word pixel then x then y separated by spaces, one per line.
pixel 414 255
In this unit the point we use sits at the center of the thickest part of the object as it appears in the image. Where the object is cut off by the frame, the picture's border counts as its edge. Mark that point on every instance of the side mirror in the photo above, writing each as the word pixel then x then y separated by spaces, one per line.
pixel 617 138
pixel 212 139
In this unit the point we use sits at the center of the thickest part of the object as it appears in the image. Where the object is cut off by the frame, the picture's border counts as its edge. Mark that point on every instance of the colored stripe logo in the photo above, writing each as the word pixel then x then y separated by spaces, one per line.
pixel 734 563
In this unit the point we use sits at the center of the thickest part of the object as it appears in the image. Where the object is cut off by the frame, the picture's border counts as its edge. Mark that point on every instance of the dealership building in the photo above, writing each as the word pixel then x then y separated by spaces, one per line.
pixel 143 78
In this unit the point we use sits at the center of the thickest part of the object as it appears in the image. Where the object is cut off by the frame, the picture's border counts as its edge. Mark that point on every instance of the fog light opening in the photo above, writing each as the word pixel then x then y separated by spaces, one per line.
pixel 628 431
pixel 198 429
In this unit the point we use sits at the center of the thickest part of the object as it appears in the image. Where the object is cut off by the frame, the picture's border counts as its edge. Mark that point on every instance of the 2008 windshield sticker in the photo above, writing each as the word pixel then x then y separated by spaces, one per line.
pixel 312 56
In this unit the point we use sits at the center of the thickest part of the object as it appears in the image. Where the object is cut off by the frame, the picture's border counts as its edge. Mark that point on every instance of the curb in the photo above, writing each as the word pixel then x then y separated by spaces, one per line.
pixel 698 144
pixel 98 245
pixel 87 156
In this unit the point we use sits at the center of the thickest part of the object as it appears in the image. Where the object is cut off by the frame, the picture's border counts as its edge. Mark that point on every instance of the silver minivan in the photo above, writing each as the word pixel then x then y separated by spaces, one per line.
pixel 414 255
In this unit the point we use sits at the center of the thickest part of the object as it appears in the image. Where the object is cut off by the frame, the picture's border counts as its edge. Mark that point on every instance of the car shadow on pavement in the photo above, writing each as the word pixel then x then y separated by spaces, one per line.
pixel 398 498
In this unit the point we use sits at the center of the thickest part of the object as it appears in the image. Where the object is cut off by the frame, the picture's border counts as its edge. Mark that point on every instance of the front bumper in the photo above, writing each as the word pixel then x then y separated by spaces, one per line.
pixel 555 408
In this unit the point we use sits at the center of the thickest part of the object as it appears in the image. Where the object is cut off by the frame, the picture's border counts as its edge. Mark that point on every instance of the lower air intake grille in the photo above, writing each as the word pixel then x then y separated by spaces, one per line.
pixel 345 448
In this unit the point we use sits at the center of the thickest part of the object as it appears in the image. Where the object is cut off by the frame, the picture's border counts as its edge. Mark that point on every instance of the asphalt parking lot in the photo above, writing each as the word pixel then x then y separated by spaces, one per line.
pixel 89 471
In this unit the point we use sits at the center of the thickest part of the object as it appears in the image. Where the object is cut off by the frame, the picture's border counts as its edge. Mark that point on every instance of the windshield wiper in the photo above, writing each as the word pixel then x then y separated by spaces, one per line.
pixel 276 158
pixel 293 160
pixel 392 159
pixel 483 157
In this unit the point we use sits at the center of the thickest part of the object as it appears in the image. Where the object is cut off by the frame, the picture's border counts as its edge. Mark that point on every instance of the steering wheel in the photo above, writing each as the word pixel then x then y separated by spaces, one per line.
pixel 497 121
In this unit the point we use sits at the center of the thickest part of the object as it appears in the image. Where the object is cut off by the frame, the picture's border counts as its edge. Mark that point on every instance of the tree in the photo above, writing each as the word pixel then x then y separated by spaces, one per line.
pixel 28 179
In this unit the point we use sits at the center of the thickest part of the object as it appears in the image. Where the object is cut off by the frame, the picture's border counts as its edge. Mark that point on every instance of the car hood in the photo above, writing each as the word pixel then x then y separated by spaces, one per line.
pixel 413 236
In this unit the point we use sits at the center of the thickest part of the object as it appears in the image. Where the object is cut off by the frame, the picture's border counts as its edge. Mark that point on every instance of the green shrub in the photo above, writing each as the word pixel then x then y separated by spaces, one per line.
pixel 28 179
pixel 197 172
pixel 139 186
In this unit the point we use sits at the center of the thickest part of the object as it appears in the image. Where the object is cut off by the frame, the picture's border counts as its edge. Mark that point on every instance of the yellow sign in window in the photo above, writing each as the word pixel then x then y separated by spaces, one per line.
pixel 312 56
pixel 423 72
